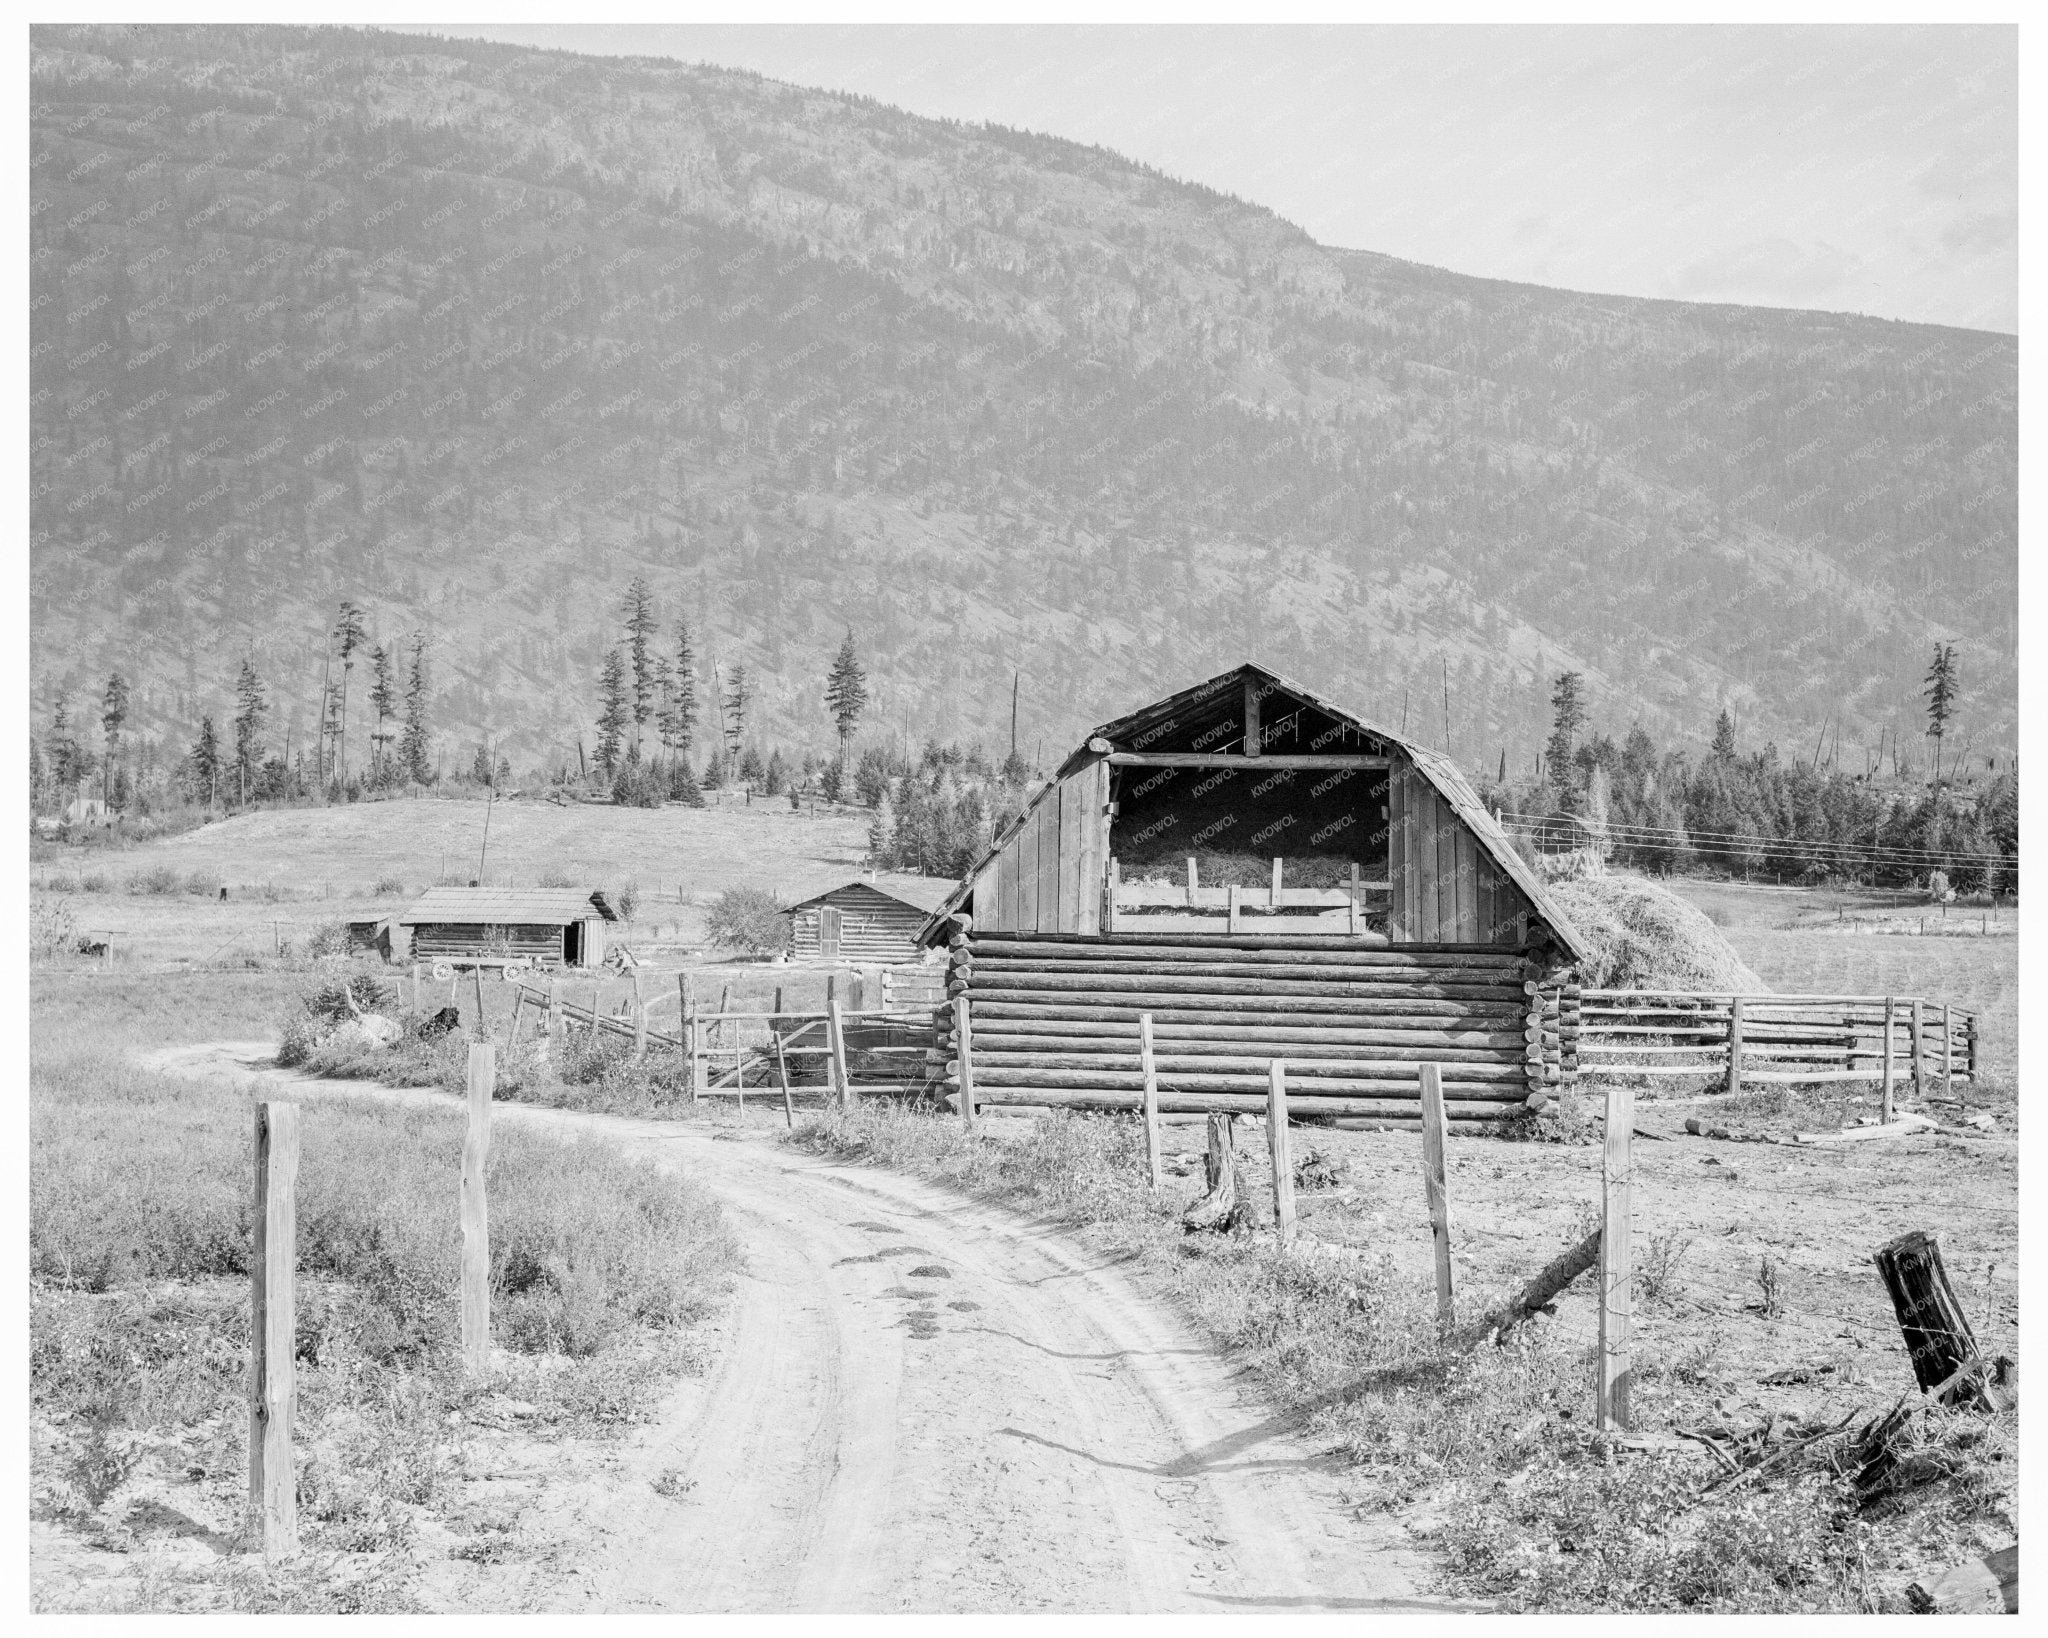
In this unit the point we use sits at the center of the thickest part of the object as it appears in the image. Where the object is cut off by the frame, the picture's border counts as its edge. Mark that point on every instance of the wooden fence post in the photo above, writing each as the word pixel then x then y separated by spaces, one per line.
pixel 639 1019
pixel 782 1074
pixel 1145 1063
pixel 1735 1044
pixel 1948 1052
pixel 273 1326
pixel 1939 1341
pixel 415 986
pixel 1919 1040
pixel 1276 1143
pixel 835 1040
pixel 518 1006
pixel 476 1231
pixel 1230 894
pixel 1436 1188
pixel 1611 1408
pixel 963 1044
pixel 1886 1112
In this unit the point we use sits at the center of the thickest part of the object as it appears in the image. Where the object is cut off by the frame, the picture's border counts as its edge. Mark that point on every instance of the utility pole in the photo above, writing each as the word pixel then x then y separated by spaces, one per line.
pixel 1016 677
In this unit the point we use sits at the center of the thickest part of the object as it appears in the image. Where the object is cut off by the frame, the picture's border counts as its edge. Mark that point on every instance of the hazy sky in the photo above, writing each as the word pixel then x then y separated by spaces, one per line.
pixel 1872 170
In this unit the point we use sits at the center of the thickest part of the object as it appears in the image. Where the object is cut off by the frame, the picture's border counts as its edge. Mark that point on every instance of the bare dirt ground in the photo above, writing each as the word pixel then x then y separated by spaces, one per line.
pixel 921 1402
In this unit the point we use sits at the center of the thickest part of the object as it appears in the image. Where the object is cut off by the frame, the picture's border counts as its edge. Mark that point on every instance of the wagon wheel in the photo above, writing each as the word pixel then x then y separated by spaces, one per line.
pixel 442 970
pixel 514 971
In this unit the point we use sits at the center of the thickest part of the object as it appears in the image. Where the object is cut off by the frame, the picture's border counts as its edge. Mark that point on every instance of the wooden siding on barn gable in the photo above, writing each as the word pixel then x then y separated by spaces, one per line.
pixel 1046 876
pixel 1446 887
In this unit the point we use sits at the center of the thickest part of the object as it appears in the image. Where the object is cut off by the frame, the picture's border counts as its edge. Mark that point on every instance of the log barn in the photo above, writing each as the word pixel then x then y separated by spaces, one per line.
pixel 865 922
pixel 1268 876
pixel 546 926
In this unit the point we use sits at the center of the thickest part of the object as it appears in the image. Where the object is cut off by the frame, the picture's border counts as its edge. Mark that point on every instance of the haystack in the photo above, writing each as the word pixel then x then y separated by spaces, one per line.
pixel 1644 938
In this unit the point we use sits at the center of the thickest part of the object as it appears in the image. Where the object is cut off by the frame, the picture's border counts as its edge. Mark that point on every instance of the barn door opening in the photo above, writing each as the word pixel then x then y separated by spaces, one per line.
pixel 572 944
pixel 828 932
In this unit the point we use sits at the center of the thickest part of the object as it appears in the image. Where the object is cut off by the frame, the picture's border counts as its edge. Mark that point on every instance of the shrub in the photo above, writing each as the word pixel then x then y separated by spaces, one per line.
pixel 92 881
pixel 51 928
pixel 330 1001
pixel 157 879
pixel 556 876
pixel 748 919
pixel 627 900
pixel 389 885
pixel 206 883
pixel 328 940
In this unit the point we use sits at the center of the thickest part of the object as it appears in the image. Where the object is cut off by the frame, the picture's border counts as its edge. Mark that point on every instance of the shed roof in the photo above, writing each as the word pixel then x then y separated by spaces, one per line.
pixel 1133 729
pixel 506 906
pixel 920 893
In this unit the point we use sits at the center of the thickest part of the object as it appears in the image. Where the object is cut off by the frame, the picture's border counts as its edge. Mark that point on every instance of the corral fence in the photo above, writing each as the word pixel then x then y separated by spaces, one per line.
pixel 842 1051
pixel 1786 1039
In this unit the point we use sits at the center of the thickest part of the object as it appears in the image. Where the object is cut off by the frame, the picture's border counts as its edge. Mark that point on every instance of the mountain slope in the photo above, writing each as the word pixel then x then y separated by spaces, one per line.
pixel 474 333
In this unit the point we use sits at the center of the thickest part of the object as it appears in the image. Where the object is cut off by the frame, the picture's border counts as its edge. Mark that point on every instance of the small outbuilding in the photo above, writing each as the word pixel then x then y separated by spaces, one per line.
pixel 547 926
pixel 866 922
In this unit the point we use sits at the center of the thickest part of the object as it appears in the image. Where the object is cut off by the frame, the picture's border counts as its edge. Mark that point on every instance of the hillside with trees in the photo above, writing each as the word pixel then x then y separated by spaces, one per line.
pixel 472 336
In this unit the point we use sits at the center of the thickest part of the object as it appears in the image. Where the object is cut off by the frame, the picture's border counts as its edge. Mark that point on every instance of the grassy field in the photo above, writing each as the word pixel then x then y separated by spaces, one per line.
pixel 139 1234
pixel 1867 942
pixel 289 870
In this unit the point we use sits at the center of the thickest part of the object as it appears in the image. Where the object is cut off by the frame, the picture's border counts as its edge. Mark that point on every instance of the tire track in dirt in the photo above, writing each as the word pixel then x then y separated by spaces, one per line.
pixel 1032 1431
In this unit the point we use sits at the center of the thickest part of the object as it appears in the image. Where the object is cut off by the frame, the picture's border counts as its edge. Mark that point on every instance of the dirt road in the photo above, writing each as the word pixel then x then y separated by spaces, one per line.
pixel 926 1403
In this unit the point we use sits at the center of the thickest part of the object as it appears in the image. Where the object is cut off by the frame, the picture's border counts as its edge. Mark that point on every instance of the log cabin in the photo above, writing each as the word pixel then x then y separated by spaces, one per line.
pixel 1267 876
pixel 544 926
pixel 871 922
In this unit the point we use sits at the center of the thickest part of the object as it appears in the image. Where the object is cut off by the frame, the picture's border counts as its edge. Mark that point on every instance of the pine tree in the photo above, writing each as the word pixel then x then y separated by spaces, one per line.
pixel 679 715
pixel 638 609
pixel 682 784
pixel 415 744
pixel 348 634
pixel 1941 690
pixel 250 709
pixel 736 700
pixel 113 715
pixel 1723 746
pixel 204 763
pixel 384 701
pixel 1567 717
pixel 614 711
pixel 846 693
pixel 63 753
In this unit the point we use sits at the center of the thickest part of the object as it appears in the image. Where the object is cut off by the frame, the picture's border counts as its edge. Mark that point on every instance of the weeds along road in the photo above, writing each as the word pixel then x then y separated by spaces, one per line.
pixel 1036 1433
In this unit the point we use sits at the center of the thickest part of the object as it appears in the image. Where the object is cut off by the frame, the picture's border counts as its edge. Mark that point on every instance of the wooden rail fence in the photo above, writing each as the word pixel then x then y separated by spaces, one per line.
pixel 1770 1038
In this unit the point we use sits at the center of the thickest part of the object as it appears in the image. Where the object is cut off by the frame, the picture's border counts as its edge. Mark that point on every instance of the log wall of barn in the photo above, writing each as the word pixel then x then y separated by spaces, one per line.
pixel 1055 1021
pixel 1446 889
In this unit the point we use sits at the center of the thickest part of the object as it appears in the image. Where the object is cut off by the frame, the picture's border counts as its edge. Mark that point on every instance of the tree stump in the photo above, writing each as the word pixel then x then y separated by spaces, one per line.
pixel 1218 1208
pixel 1938 1337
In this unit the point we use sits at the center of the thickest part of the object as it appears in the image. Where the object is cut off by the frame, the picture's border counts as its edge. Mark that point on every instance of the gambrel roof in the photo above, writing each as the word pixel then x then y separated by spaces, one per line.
pixel 1206 714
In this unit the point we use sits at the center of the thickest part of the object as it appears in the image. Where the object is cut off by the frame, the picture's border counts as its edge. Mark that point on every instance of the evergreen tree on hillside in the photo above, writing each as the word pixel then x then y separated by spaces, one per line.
pixel 1723 747
pixel 250 708
pixel 679 714
pixel 384 701
pixel 737 697
pixel 202 764
pixel 846 692
pixel 1942 684
pixel 614 711
pixel 348 636
pixel 64 754
pixel 1567 717
pixel 113 715
pixel 638 609
pixel 38 777
pixel 415 745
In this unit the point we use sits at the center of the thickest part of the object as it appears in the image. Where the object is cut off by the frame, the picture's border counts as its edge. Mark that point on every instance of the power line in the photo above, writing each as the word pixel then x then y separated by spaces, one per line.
pixel 1812 849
